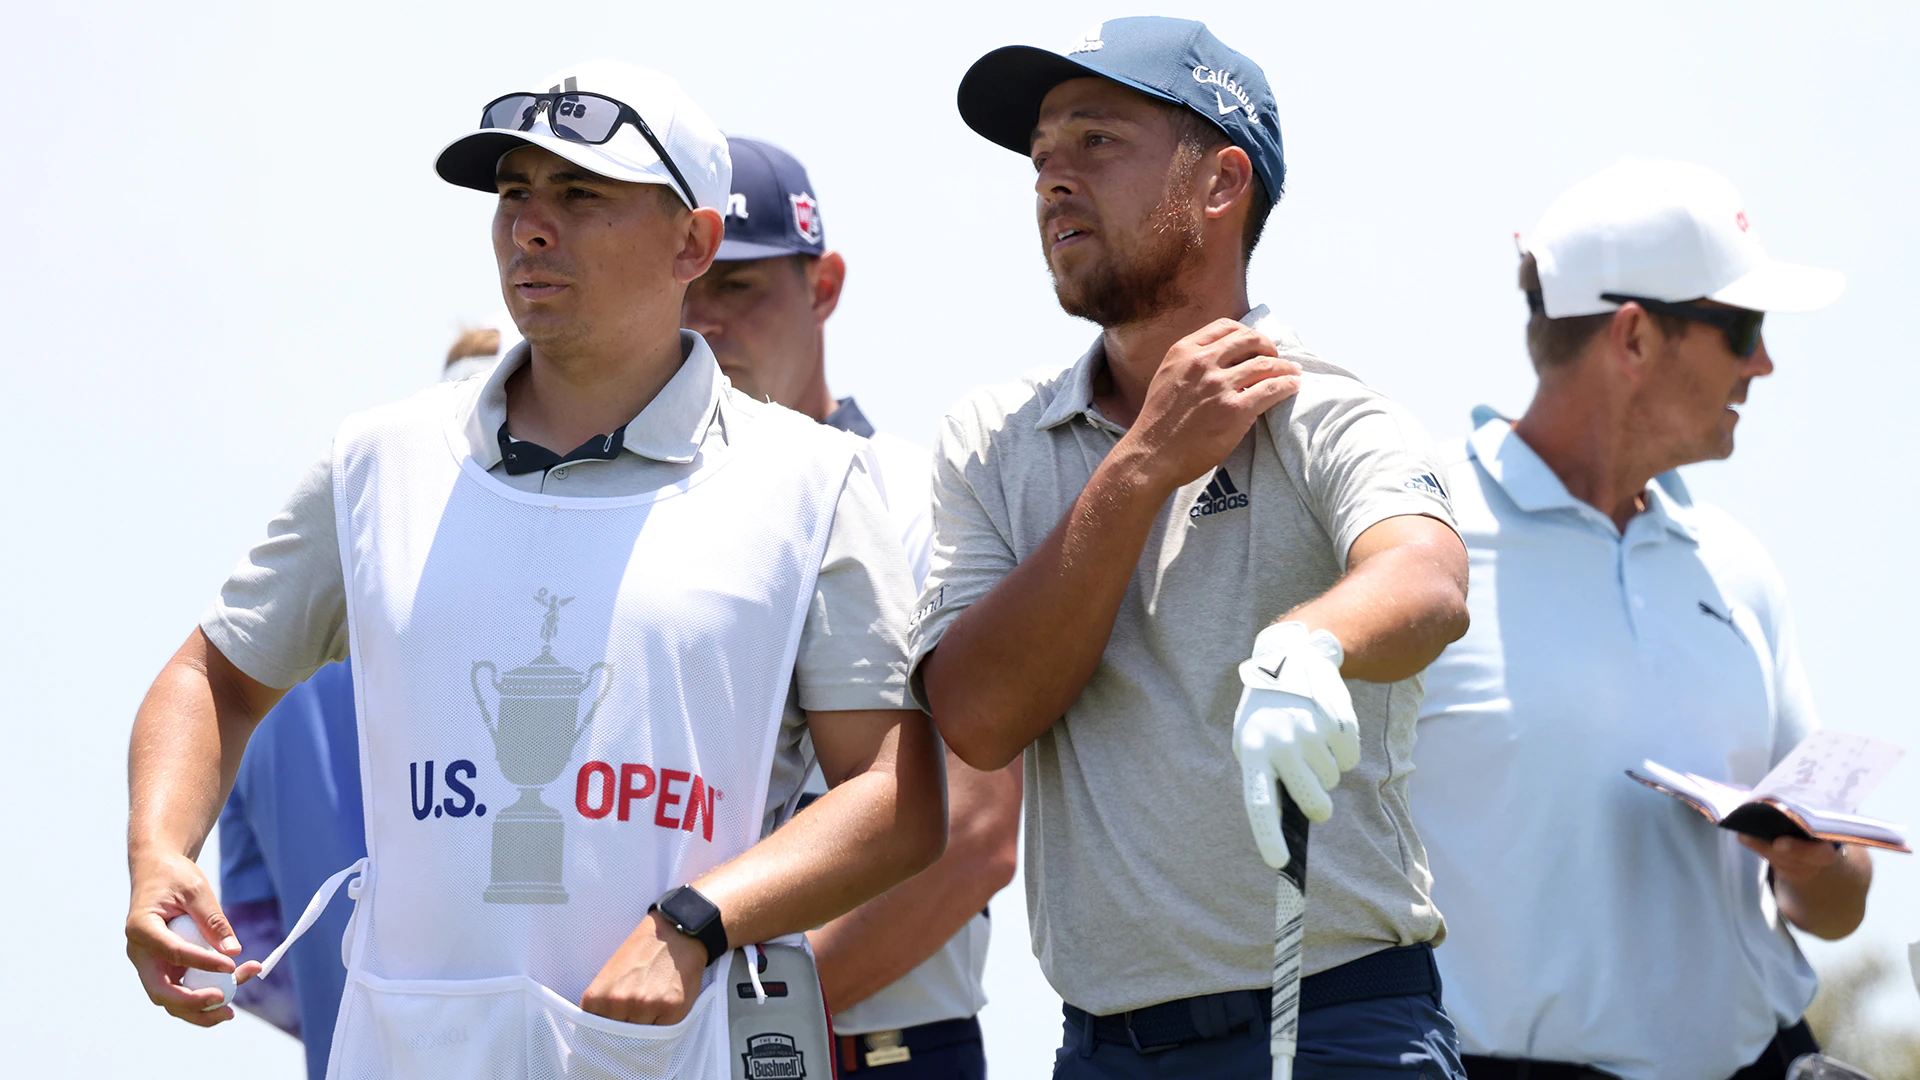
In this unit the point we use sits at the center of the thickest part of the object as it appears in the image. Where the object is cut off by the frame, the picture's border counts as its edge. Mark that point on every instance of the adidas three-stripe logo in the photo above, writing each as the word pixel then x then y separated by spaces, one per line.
pixel 1219 497
pixel 1430 484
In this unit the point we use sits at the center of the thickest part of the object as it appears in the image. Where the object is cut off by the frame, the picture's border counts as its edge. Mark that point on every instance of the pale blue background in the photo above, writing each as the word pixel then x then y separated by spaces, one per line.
pixel 223 234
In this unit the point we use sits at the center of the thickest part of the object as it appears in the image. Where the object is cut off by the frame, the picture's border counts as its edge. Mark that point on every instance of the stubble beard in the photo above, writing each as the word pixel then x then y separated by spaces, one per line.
pixel 555 338
pixel 1131 287
pixel 553 334
pixel 1669 415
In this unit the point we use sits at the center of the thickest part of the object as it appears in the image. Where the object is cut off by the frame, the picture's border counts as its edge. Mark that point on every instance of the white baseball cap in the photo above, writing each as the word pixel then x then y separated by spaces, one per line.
pixel 1663 230
pixel 686 153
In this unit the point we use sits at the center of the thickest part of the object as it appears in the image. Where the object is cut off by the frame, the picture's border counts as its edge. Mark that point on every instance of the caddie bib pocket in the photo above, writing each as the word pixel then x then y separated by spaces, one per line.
pixel 564 1040
pixel 511 1027
pixel 442 1027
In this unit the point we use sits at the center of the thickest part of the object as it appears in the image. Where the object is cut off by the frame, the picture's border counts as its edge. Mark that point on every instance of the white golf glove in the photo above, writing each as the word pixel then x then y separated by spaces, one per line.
pixel 1295 723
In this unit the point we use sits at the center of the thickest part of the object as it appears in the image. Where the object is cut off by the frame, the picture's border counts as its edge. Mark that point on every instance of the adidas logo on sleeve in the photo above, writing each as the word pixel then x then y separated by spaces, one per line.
pixel 1219 497
pixel 1429 484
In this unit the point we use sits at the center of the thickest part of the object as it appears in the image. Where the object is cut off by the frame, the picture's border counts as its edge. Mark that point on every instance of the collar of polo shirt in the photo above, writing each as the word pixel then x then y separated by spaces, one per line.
pixel 1075 398
pixel 669 429
pixel 1535 488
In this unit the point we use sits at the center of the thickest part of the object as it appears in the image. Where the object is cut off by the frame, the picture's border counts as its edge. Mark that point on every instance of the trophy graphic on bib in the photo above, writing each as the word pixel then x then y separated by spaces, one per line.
pixel 535 724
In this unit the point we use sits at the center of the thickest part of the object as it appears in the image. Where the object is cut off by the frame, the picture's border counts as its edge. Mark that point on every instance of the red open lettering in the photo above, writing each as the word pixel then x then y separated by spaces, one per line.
pixel 628 793
pixel 699 804
pixel 667 798
pixel 582 786
pixel 637 782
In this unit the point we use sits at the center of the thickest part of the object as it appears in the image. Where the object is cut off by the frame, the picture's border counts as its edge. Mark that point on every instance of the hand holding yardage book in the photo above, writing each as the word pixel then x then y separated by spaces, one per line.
pixel 1811 794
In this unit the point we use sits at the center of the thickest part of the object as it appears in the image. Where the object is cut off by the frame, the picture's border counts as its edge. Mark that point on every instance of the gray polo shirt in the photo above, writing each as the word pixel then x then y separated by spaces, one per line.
pixel 1143 881
pixel 283 613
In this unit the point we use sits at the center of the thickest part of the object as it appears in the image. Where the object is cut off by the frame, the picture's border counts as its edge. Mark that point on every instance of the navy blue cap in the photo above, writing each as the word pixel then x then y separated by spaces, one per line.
pixel 1173 60
pixel 772 211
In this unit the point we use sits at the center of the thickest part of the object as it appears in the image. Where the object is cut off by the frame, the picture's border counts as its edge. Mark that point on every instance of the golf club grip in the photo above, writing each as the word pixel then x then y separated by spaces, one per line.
pixel 1289 926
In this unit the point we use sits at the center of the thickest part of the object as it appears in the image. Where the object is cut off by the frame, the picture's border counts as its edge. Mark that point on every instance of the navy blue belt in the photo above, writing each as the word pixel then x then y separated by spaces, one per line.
pixel 1397 972
pixel 879 1048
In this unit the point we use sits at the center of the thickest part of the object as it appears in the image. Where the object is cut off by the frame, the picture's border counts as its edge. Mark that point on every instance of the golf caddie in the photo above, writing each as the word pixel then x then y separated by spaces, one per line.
pixel 596 602
pixel 1113 538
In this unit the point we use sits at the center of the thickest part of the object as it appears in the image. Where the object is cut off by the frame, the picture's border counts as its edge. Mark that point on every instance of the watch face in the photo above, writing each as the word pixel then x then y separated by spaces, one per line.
pixel 690 911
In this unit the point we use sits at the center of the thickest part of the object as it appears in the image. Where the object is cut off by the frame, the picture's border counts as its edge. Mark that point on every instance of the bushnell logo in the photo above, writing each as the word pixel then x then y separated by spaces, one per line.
pixel 774 1057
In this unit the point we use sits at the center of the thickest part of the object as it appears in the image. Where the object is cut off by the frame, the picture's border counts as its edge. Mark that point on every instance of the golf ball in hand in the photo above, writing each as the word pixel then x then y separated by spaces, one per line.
pixel 195 978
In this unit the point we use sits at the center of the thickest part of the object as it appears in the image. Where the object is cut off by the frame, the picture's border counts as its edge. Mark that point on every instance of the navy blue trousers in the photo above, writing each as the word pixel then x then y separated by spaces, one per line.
pixel 1392 1038
pixel 961 1061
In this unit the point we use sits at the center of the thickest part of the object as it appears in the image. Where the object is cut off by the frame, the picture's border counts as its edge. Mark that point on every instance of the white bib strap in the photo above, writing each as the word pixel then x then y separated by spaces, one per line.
pixel 310 916
pixel 752 952
pixel 753 972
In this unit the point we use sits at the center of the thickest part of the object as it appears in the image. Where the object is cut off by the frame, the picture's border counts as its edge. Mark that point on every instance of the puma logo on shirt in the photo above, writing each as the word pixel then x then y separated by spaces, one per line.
pixel 1726 617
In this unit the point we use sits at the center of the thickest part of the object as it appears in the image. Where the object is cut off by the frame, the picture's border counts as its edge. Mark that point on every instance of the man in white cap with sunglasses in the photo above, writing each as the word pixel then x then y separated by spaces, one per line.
pixel 595 602
pixel 1596 927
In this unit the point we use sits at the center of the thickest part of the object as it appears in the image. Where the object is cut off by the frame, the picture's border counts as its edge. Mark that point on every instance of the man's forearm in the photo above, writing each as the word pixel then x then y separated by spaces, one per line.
pixel 869 948
pixel 869 833
pixel 1403 600
pixel 1010 664
pixel 188 738
pixel 1830 904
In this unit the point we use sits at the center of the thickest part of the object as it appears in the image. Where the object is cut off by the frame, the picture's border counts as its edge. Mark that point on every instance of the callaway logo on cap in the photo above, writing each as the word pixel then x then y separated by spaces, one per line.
pixel 1668 231
pixel 611 118
pixel 1174 60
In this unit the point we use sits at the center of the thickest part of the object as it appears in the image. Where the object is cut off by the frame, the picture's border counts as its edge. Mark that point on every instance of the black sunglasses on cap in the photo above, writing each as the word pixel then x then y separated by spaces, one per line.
pixel 578 117
pixel 1741 326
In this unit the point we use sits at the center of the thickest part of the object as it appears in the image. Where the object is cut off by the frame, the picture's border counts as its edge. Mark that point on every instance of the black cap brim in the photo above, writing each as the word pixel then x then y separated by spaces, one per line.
pixel 472 160
pixel 1000 94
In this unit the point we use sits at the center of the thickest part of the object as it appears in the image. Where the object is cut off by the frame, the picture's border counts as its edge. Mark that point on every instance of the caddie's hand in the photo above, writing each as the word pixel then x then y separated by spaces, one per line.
pixel 1295 724
pixel 166 885
pixel 1794 861
pixel 1213 385
pixel 652 978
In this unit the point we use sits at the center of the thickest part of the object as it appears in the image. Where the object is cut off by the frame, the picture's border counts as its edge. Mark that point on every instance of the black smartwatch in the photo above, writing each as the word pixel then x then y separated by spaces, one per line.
pixel 695 916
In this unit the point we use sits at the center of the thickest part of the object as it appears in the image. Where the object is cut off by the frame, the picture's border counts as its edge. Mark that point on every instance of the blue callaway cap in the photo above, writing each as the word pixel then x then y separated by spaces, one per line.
pixel 772 211
pixel 1173 60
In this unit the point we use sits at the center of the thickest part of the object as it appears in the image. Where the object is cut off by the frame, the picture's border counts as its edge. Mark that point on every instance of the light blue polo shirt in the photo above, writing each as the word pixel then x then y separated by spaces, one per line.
pixel 1590 919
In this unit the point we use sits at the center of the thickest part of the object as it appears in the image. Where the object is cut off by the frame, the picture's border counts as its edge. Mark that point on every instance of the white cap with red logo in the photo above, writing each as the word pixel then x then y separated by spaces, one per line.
pixel 1663 230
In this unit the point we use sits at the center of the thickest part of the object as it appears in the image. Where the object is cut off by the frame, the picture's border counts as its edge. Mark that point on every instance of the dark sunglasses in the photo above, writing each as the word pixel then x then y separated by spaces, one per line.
pixel 1741 327
pixel 581 118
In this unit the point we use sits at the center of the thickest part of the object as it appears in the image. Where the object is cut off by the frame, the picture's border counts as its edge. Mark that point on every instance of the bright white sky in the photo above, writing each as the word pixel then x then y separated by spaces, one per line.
pixel 227 235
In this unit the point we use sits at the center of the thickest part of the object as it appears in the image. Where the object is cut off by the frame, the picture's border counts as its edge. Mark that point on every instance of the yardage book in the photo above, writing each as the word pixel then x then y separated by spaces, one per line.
pixel 1811 794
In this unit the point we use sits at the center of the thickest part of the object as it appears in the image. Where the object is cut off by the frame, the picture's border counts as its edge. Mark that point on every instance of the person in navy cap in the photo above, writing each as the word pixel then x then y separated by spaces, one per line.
pixel 1113 538
pixel 903 972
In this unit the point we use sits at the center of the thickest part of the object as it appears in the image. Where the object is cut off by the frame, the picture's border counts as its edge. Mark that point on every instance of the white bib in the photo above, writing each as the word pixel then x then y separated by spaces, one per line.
pixel 567 707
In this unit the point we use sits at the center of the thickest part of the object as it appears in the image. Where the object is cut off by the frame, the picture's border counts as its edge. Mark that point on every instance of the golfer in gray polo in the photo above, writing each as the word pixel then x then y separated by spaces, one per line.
pixel 1113 538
